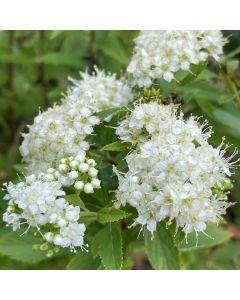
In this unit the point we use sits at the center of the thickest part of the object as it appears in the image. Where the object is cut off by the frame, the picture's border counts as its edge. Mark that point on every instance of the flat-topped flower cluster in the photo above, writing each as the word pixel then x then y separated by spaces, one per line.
pixel 174 173
pixel 161 53
pixel 40 201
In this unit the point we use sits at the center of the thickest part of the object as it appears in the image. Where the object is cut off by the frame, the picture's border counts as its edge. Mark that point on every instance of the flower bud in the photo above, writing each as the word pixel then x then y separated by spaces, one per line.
pixel 74 164
pixel 62 168
pixel 93 172
pixel 88 188
pixel 48 236
pixel 83 167
pixel 79 185
pixel 96 183
pixel 73 175
pixel 91 162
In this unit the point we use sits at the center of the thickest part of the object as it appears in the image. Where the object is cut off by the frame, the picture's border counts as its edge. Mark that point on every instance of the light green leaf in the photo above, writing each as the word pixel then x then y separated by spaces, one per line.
pixel 20 248
pixel 76 200
pixel 198 89
pixel 116 146
pixel 162 253
pixel 112 47
pixel 83 261
pixel 109 112
pixel 15 58
pixel 59 59
pixel 227 119
pixel 217 236
pixel 110 246
pixel 111 214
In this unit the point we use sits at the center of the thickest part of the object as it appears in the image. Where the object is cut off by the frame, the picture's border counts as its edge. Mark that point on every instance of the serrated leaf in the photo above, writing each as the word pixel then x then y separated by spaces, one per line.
pixel 20 248
pixel 111 214
pixel 162 253
pixel 83 261
pixel 218 235
pixel 116 146
pixel 96 241
pixel 109 244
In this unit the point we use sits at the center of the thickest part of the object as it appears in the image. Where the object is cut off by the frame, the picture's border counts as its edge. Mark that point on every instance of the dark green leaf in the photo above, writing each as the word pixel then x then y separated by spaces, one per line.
pixel 83 261
pixel 162 253
pixel 109 244
pixel 195 71
pixel 111 214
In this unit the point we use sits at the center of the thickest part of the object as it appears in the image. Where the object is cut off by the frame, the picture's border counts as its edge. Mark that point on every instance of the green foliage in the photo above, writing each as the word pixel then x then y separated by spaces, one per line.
pixel 116 146
pixel 20 247
pixel 111 214
pixel 34 71
pixel 215 236
pixel 108 245
pixel 160 249
pixel 83 261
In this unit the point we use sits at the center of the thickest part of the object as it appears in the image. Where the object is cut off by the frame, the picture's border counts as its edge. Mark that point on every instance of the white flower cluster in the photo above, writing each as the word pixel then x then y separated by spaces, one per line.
pixel 174 173
pixel 78 171
pixel 159 54
pixel 57 133
pixel 43 205
pixel 103 90
pixel 40 201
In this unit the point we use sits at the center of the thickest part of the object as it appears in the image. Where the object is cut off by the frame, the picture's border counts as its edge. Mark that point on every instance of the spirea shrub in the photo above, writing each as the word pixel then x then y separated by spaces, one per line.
pixel 112 159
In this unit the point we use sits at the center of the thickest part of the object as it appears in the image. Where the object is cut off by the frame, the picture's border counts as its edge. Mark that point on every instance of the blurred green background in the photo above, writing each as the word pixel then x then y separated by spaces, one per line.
pixel 34 71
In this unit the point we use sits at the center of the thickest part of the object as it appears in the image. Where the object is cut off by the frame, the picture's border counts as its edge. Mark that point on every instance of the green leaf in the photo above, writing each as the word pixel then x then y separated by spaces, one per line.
pixel 83 261
pixel 162 253
pixel 217 236
pixel 198 89
pixel 109 243
pixel 20 247
pixel 116 146
pixel 76 200
pixel 15 58
pixel 111 214
pixel 196 70
pixel 112 47
pixel 109 112
pixel 59 59
pixel 96 241
pixel 227 119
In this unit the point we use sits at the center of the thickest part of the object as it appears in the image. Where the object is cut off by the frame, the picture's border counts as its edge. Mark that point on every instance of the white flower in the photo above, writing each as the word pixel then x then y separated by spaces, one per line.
pixel 72 236
pixel 160 54
pixel 103 91
pixel 40 201
pixel 42 205
pixel 75 172
pixel 174 173
pixel 55 134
